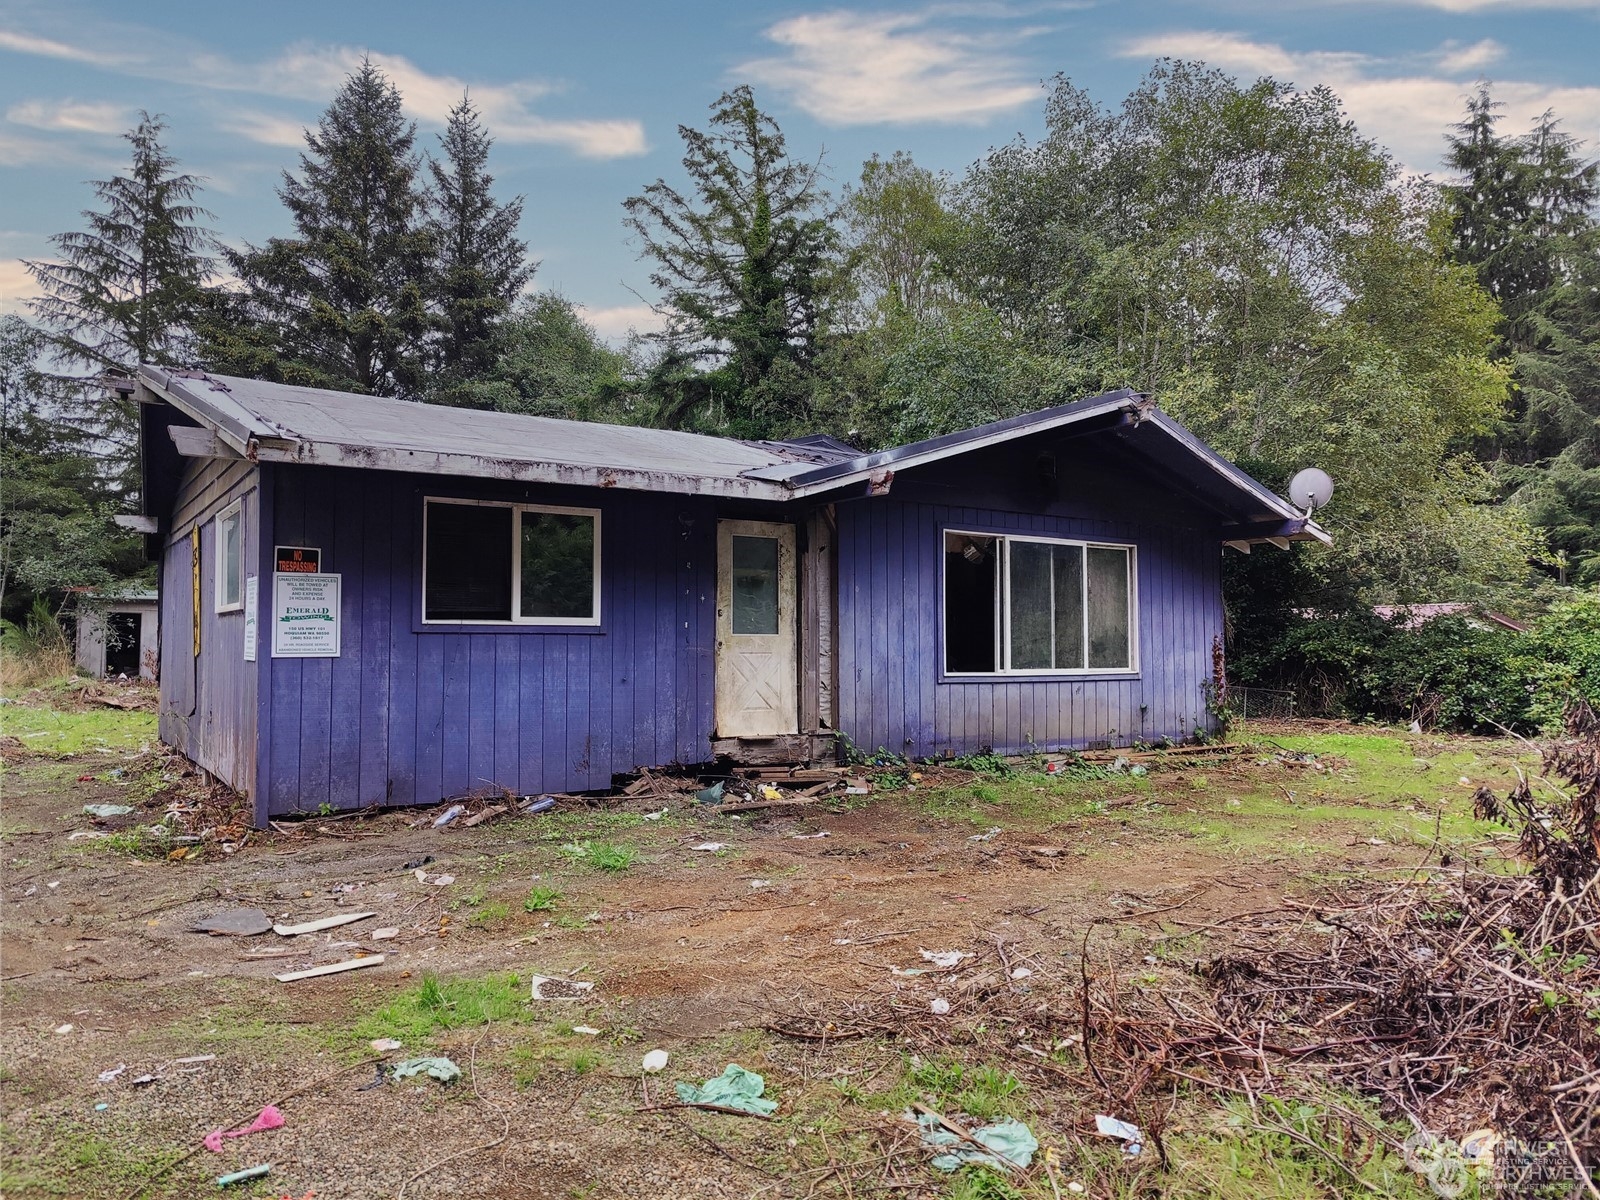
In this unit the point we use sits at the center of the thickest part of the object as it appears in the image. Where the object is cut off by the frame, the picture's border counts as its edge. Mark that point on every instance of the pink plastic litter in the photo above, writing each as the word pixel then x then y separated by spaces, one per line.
pixel 270 1118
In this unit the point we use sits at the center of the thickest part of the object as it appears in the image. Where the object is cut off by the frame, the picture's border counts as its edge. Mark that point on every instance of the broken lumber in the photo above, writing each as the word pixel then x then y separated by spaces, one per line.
pixel 319 925
pixel 349 964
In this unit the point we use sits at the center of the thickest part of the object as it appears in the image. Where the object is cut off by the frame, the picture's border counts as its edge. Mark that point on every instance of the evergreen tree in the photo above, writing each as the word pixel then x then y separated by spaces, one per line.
pixel 744 263
pixel 345 302
pixel 482 265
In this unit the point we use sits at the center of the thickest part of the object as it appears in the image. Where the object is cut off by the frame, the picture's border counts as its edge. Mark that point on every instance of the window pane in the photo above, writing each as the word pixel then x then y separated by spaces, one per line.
pixel 1108 608
pixel 468 563
pixel 230 560
pixel 557 565
pixel 755 585
pixel 969 602
pixel 1032 620
pixel 1069 606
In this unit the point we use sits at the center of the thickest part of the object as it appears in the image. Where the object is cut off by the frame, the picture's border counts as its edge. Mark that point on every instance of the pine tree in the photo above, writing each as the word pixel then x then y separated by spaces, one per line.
pixel 344 303
pixel 482 264
pixel 744 263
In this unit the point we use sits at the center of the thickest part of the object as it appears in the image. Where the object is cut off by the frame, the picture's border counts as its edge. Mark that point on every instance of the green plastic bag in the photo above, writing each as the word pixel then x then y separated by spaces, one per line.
pixel 1013 1144
pixel 441 1069
pixel 734 1088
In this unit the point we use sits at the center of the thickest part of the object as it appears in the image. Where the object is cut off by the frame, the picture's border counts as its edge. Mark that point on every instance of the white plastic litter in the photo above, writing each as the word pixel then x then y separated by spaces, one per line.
pixel 985 837
pixel 586 1030
pixel 384 1045
pixel 1129 1135
pixel 655 1061
pixel 109 1076
pixel 1020 972
pixel 710 847
pixel 945 959
pixel 940 1008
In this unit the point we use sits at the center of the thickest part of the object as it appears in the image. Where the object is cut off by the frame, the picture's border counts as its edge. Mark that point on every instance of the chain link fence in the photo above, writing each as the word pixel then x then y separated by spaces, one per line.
pixel 1260 704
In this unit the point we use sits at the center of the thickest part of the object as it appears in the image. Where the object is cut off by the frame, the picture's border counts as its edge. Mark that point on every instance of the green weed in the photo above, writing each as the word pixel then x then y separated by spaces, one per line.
pixel 446 1004
pixel 602 856
pixel 541 899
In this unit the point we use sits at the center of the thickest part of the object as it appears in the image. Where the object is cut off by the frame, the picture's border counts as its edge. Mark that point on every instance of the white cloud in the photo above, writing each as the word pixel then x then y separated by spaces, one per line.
pixel 16 286
pixel 1473 6
pixel 1404 107
pixel 848 68
pixel 312 72
pixel 68 116
pixel 269 129
pixel 1464 60
pixel 616 322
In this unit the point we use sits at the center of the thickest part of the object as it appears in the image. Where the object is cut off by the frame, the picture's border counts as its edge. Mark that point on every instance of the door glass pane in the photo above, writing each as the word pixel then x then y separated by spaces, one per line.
pixel 1032 622
pixel 468 563
pixel 557 565
pixel 755 585
pixel 1109 634
pixel 1069 606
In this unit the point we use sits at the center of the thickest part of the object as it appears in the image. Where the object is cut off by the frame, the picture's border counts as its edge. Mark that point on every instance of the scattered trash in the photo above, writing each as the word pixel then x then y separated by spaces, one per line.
pixel 710 847
pixel 53 884
pixel 384 1045
pixel 769 792
pixel 760 883
pixel 655 1061
pixel 417 863
pixel 111 1075
pixel 449 814
pixel 856 786
pixel 101 1107
pixel 940 1008
pixel 86 833
pixel 442 880
pixel 102 812
pixel 586 1030
pixel 350 964
pixel 194 1058
pixel 710 795
pixel 1020 972
pixel 806 837
pixel 385 934
pixel 655 816
pixel 1006 1144
pixel 269 1118
pixel 64 1029
pixel 542 804
pixel 441 1069
pixel 487 814
pixel 1075 1188
pixel 546 988
pixel 1129 1135
pixel 322 923
pixel 1415 727
pixel 142 1080
pixel 985 837
pixel 908 972
pixel 945 959
pixel 735 1088
pixel 234 922
pixel 244 1176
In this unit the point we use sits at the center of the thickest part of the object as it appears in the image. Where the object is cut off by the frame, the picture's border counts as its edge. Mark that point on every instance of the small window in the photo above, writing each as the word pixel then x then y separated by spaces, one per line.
pixel 517 564
pixel 1032 606
pixel 230 559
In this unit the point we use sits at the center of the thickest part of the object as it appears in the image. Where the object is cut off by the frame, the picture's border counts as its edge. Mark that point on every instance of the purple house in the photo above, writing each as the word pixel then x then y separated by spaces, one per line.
pixel 368 601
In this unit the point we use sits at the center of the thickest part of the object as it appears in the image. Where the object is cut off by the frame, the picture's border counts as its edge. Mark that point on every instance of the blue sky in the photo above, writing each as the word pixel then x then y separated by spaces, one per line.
pixel 585 98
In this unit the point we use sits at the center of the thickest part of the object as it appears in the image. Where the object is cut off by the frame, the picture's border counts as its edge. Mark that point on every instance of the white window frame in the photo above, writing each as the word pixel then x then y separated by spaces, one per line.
pixel 515 550
pixel 1002 623
pixel 233 512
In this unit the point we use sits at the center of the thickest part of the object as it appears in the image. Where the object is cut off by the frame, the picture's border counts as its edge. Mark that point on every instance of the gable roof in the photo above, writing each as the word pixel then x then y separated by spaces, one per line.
pixel 275 422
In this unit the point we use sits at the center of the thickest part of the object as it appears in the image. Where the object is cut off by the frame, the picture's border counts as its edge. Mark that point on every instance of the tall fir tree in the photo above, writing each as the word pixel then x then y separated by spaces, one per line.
pixel 482 264
pixel 123 291
pixel 344 303
pixel 744 262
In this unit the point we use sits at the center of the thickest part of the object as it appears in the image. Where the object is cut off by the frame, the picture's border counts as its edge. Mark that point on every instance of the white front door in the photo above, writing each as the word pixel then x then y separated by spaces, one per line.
pixel 757 692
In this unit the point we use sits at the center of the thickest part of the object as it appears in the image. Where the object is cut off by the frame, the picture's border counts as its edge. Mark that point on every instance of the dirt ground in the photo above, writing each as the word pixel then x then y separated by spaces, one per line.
pixel 695 952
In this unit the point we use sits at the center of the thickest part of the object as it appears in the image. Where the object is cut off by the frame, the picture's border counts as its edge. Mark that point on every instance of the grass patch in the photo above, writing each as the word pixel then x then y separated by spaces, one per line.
pixel 601 856
pixel 446 1004
pixel 541 899
pixel 486 915
pixel 59 733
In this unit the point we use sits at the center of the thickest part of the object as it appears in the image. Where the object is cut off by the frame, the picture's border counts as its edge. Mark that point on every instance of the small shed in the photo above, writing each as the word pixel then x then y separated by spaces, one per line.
pixel 367 601
pixel 118 634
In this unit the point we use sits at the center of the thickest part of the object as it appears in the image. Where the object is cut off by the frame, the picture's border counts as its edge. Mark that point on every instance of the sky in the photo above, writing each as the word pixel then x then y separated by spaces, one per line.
pixel 585 99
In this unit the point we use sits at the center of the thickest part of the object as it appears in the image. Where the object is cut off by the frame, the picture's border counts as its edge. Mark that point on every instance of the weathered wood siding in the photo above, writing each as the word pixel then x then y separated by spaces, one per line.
pixel 208 704
pixel 410 715
pixel 892 690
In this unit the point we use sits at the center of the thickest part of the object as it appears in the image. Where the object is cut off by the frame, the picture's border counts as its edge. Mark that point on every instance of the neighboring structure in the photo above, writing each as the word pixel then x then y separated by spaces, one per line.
pixel 118 634
pixel 368 601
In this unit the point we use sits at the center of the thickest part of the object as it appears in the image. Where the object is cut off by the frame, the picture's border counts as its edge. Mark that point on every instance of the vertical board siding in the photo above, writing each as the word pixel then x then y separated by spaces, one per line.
pixel 208 705
pixel 404 716
pixel 890 629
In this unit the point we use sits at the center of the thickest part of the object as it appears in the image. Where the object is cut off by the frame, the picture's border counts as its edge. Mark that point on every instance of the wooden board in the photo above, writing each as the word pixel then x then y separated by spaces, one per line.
pixel 350 964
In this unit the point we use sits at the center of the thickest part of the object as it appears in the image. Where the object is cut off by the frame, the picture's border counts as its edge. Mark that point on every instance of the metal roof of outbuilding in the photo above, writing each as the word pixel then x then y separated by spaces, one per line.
pixel 276 422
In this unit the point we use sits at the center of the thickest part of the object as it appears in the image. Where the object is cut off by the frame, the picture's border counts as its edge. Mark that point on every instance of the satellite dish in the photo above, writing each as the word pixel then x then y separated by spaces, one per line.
pixel 1310 489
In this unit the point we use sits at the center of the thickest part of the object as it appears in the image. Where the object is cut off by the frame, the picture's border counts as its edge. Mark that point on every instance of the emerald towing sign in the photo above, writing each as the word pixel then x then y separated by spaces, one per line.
pixel 305 616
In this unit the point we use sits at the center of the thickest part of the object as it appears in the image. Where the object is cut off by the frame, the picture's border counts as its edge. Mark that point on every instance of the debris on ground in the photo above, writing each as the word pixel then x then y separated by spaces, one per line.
pixel 435 1067
pixel 244 1176
pixel 547 988
pixel 321 923
pixel 449 814
pixel 710 795
pixel 268 1118
pixel 945 959
pixel 111 1075
pixel 350 964
pixel 1130 1137
pixel 736 1088
pixel 234 922
pixel 1007 1144
pixel 104 812
pixel 385 1045
pixel 655 1060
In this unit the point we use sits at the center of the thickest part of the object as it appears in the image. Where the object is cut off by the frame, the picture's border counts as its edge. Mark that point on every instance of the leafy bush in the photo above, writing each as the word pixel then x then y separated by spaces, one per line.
pixel 35 649
pixel 1560 658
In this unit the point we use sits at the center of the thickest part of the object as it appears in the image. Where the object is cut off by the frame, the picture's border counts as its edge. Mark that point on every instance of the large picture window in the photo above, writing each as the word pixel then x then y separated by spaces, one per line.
pixel 1037 606
pixel 514 564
